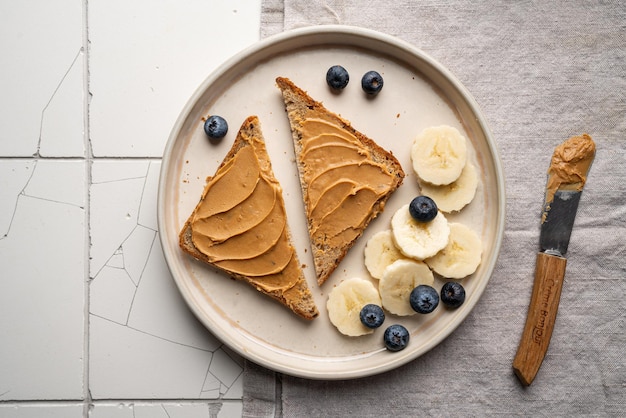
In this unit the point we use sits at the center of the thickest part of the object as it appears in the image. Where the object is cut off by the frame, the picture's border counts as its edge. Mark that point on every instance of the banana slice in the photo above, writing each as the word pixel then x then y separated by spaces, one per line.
pixel 397 282
pixel 439 154
pixel 345 302
pixel 454 196
pixel 461 257
pixel 419 240
pixel 380 251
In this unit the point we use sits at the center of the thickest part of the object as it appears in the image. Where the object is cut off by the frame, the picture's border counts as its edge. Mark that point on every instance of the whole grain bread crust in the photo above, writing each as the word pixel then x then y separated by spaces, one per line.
pixel 298 298
pixel 298 104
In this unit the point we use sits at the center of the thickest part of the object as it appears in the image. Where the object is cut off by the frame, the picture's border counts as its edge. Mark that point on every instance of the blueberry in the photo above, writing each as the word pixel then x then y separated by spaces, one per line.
pixel 396 337
pixel 337 77
pixel 215 127
pixel 424 299
pixel 452 294
pixel 423 209
pixel 372 316
pixel 372 82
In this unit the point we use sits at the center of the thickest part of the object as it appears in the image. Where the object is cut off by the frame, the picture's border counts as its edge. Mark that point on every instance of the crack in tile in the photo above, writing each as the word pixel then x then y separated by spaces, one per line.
pixel 120 249
pixel 17 200
pixel 224 387
pixel 53 201
pixel 119 253
pixel 118 180
pixel 143 191
pixel 116 261
pixel 206 381
pixel 23 194
pixel 151 334
pixel 128 215
pixel 56 90
pixel 130 308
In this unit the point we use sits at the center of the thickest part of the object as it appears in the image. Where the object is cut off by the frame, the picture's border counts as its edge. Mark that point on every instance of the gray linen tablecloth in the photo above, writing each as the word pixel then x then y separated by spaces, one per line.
pixel 541 72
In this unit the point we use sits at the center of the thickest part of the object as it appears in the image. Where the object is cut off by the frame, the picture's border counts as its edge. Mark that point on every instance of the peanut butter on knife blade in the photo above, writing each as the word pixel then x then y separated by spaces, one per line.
pixel 569 166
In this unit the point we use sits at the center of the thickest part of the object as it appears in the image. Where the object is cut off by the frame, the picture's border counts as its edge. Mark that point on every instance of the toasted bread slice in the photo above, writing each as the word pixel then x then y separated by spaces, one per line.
pixel 240 225
pixel 346 178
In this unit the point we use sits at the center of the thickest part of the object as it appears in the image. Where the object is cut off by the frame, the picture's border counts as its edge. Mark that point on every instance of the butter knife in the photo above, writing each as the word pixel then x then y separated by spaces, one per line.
pixel 567 175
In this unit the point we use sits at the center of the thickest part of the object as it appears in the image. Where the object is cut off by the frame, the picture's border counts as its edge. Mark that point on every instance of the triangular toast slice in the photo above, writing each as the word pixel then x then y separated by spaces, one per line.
pixel 346 177
pixel 240 225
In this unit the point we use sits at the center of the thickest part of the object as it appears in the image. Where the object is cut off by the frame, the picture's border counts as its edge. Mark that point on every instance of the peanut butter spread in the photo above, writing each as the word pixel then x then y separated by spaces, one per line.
pixel 241 224
pixel 343 181
pixel 570 164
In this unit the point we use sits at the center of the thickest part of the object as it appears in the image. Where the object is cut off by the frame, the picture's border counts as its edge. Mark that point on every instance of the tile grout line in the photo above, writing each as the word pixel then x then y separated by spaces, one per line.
pixel 87 401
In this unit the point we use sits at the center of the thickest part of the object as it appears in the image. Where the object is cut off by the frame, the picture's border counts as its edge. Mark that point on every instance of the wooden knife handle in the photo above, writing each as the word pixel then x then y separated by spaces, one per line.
pixel 544 303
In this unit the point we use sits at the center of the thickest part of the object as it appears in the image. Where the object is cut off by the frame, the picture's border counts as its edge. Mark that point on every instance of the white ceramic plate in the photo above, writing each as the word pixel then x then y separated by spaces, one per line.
pixel 418 93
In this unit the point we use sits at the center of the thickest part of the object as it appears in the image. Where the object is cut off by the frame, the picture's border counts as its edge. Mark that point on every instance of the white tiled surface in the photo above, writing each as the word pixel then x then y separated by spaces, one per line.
pixel 91 322
pixel 42 78
pixel 151 56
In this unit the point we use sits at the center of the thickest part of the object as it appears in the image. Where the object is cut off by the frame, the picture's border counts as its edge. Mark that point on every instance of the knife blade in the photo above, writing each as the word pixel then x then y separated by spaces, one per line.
pixel 567 176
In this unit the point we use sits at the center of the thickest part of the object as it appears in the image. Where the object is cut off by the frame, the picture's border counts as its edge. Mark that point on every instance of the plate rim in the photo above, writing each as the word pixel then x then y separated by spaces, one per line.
pixel 275 40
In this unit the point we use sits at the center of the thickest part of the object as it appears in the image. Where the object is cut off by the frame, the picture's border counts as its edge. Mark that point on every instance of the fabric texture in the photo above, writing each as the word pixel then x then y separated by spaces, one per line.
pixel 541 71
